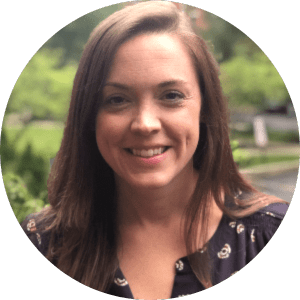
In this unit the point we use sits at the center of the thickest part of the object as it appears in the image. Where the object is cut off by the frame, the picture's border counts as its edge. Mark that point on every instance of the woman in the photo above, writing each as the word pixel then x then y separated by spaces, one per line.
pixel 146 200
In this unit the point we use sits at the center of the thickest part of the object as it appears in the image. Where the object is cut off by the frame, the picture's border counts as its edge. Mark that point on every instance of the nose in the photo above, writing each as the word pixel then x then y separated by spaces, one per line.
pixel 146 121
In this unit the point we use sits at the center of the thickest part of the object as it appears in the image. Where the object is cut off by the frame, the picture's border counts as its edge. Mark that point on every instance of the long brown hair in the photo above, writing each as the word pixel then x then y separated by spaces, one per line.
pixel 81 185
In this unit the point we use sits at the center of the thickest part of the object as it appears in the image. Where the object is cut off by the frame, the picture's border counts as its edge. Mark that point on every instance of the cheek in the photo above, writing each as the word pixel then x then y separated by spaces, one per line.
pixel 106 122
pixel 193 137
pixel 108 131
pixel 109 127
pixel 188 128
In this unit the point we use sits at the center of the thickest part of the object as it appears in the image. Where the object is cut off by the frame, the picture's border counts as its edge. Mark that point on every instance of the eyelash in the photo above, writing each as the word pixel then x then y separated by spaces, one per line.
pixel 179 97
pixel 110 99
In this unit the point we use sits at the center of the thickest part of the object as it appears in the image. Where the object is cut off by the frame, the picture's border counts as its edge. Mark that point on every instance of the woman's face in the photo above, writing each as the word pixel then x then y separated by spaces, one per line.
pixel 147 128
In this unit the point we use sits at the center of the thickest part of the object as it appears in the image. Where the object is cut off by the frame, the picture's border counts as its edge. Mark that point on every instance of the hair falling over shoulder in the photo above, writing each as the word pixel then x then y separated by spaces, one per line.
pixel 81 189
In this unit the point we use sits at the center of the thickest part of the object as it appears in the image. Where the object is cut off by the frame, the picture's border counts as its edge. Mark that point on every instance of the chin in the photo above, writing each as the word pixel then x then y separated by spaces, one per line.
pixel 152 182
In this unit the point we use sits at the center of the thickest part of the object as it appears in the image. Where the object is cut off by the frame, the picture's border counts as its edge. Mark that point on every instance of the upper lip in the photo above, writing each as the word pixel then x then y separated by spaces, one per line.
pixel 146 147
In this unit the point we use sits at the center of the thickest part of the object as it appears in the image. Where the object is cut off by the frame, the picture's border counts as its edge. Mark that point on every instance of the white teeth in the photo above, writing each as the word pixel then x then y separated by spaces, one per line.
pixel 144 153
pixel 148 153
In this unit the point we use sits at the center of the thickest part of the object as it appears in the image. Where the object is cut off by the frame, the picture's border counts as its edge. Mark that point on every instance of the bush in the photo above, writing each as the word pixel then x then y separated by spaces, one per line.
pixel 43 90
pixel 24 178
pixel 240 157
pixel 33 169
pixel 253 81
pixel 21 201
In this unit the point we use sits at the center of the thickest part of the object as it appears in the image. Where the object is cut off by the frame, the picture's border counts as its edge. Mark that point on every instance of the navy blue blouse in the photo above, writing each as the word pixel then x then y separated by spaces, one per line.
pixel 233 245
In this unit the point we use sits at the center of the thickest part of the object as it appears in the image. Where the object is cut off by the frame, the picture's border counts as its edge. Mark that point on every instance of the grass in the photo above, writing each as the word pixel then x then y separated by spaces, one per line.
pixel 268 159
pixel 288 137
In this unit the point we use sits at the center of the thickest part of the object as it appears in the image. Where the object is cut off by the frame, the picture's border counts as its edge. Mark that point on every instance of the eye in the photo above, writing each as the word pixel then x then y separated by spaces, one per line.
pixel 173 97
pixel 115 101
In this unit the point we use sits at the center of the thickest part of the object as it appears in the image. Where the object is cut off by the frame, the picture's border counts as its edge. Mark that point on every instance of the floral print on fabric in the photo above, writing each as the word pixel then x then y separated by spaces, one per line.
pixel 179 265
pixel 228 248
pixel 120 282
pixel 38 236
pixel 232 224
pixel 252 235
pixel 31 225
pixel 270 214
pixel 224 253
pixel 240 228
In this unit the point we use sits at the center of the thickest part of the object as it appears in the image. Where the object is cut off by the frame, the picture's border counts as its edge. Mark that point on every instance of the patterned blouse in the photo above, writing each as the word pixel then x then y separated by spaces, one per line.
pixel 233 245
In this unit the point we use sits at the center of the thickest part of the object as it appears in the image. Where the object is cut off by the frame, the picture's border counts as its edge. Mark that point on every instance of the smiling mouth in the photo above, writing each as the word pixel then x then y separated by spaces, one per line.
pixel 147 153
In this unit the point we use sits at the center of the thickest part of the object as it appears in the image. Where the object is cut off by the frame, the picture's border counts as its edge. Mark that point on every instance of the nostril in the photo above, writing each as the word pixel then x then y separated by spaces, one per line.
pixel 145 125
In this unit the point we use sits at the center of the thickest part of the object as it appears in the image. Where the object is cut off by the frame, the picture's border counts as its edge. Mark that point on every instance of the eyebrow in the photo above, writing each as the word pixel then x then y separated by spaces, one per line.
pixel 171 82
pixel 160 85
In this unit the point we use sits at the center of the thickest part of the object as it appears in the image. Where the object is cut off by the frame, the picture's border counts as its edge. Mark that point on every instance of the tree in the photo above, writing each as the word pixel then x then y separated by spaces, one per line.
pixel 222 35
pixel 72 38
pixel 252 80
pixel 43 89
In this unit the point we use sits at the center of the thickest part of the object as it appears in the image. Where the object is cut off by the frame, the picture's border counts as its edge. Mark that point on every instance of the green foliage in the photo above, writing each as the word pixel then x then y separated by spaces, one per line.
pixel 42 89
pixel 33 169
pixel 240 157
pixel 8 153
pixel 287 137
pixel 264 158
pixel 24 177
pixel 45 140
pixel 72 38
pixel 252 80
pixel 221 34
pixel 245 159
pixel 21 201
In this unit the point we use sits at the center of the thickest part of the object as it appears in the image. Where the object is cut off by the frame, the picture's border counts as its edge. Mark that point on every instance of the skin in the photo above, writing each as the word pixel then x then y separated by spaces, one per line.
pixel 141 114
pixel 151 99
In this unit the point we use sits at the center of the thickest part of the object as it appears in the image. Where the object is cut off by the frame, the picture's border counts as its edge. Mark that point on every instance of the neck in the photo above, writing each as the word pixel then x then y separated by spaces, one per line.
pixel 157 206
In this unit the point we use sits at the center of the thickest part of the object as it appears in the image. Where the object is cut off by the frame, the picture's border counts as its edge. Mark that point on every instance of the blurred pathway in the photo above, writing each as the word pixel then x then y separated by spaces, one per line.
pixel 281 185
pixel 278 178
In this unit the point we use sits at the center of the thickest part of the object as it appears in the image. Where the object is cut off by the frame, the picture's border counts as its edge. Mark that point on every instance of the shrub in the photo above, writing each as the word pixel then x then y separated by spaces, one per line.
pixel 21 201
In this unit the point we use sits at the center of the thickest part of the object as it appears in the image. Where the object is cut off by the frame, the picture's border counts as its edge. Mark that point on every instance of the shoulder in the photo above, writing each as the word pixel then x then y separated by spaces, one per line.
pixel 36 231
pixel 276 210
pixel 267 218
pixel 262 223
pixel 257 229
pixel 253 231
pixel 239 240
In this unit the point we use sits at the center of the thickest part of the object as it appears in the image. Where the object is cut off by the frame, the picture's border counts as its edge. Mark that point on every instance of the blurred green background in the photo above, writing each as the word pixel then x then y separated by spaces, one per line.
pixel 37 108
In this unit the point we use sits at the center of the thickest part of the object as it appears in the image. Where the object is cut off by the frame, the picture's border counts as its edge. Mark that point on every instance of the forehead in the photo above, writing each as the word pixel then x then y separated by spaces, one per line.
pixel 160 55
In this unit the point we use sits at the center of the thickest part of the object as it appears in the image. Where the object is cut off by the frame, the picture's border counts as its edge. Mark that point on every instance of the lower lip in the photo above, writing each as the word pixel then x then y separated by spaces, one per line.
pixel 153 160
